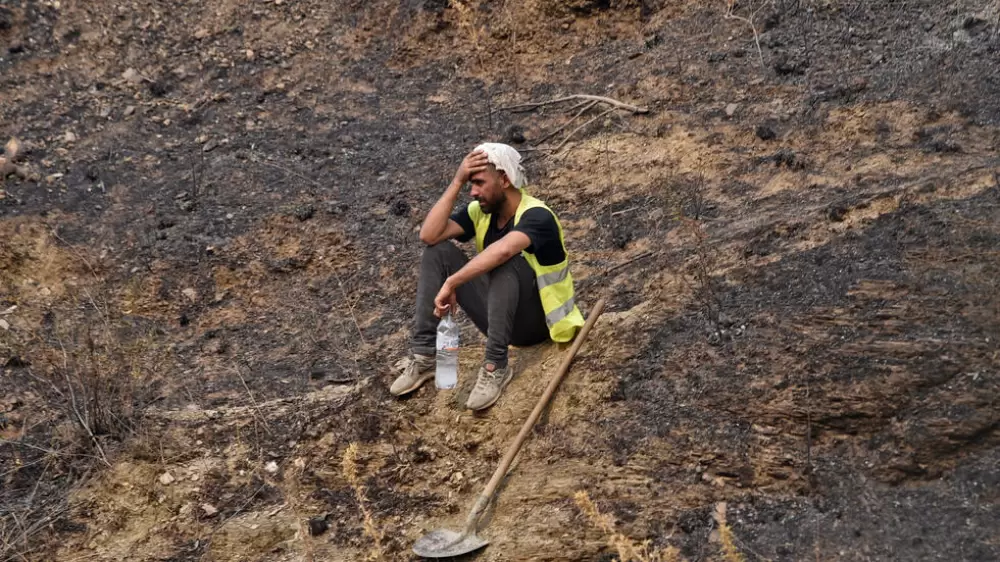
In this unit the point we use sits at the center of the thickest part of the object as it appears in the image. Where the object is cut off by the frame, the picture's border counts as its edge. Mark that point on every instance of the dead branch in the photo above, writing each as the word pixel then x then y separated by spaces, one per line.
pixel 78 255
pixel 47 451
pixel 33 521
pixel 83 422
pixel 730 15
pixel 623 211
pixel 586 106
pixel 350 308
pixel 76 411
pixel 256 407
pixel 286 170
pixel 579 105
pixel 524 107
pixel 626 263
pixel 581 127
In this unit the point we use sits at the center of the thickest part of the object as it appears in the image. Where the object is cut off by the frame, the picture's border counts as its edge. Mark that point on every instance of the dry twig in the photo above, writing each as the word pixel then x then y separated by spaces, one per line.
pixel 76 411
pixel 586 105
pixel 371 529
pixel 624 211
pixel 626 547
pixel 581 127
pixel 628 262
pixel 290 172
pixel 601 99
pixel 350 308
pixel 256 407
pixel 730 14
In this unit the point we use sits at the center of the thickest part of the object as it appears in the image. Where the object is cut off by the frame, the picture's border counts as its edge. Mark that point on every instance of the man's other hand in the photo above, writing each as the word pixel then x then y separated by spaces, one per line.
pixel 473 163
pixel 445 301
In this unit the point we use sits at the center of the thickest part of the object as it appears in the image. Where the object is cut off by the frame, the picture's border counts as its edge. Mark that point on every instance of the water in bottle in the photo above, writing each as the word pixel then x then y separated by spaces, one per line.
pixel 446 373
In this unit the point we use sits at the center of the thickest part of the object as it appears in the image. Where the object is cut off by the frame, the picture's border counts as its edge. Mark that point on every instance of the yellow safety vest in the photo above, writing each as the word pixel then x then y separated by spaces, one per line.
pixel 555 283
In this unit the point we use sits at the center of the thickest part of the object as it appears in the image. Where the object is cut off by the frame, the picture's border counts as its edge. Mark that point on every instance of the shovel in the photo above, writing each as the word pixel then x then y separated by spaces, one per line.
pixel 443 543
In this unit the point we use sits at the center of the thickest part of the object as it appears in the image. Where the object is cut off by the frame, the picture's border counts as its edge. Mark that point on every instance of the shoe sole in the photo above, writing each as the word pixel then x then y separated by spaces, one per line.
pixel 503 386
pixel 420 382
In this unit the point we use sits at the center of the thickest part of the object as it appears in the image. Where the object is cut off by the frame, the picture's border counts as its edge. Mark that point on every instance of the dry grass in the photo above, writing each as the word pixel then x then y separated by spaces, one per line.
pixel 726 538
pixel 372 531
pixel 93 369
pixel 628 549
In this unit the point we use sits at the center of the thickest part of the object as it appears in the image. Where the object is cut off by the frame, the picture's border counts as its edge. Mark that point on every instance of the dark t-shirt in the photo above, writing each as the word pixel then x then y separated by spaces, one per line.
pixel 537 223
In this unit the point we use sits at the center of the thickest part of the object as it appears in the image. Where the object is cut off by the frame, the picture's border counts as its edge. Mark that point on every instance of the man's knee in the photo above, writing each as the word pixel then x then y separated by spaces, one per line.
pixel 511 275
pixel 518 266
pixel 506 270
pixel 440 252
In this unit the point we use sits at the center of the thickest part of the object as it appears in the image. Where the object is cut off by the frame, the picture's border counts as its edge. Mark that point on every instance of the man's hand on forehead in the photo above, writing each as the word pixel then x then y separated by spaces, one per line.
pixel 473 163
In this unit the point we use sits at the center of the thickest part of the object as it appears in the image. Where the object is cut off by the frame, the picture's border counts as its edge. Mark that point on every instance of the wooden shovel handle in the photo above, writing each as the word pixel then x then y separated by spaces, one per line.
pixel 484 498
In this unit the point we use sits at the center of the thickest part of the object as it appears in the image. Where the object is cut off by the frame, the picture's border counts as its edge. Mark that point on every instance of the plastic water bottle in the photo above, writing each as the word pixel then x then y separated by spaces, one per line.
pixel 446 373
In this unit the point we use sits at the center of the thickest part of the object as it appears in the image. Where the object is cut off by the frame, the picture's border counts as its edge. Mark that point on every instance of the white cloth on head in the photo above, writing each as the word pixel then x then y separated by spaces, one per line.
pixel 506 159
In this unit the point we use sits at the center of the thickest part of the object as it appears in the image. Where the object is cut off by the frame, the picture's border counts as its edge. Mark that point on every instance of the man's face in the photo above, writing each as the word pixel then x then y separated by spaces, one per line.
pixel 488 188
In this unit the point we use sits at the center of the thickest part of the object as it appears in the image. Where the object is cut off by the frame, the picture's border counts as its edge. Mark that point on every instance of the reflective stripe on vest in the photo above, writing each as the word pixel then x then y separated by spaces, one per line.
pixel 547 279
pixel 564 310
pixel 555 283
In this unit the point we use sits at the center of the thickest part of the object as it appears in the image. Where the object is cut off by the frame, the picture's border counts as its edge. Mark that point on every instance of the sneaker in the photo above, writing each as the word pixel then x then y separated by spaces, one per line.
pixel 416 370
pixel 489 385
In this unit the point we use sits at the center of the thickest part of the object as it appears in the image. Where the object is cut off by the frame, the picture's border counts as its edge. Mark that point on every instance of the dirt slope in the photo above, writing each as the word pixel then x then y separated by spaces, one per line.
pixel 209 262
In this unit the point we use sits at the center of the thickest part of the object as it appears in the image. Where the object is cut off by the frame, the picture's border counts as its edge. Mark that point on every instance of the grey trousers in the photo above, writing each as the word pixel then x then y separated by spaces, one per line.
pixel 503 303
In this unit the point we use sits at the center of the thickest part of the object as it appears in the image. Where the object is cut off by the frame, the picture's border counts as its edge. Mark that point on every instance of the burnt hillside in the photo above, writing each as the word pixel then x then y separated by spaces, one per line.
pixel 208 241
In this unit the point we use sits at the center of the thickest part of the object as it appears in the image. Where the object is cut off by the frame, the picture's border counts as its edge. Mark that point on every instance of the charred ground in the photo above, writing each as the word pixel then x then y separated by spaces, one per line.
pixel 218 241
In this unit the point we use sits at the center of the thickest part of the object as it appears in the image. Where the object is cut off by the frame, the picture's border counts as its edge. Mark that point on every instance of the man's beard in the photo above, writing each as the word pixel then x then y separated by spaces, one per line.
pixel 488 207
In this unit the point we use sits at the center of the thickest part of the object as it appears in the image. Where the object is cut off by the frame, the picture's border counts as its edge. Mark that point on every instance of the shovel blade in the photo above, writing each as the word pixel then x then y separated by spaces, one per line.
pixel 443 543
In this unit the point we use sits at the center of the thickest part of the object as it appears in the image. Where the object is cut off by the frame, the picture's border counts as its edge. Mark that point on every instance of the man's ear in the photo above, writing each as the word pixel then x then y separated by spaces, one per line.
pixel 506 180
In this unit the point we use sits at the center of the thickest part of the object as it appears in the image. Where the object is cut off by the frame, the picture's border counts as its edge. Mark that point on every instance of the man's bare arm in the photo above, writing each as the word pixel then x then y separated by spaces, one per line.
pixel 438 226
pixel 495 254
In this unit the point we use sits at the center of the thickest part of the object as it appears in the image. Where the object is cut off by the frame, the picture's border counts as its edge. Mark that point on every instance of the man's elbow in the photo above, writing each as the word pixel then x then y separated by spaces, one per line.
pixel 428 238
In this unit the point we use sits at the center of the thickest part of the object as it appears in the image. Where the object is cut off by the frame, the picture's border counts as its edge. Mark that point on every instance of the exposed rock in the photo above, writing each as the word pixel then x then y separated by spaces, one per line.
pixel 209 510
pixel 131 76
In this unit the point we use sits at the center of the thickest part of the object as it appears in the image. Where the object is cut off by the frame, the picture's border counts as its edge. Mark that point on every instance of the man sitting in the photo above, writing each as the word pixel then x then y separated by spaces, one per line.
pixel 518 289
